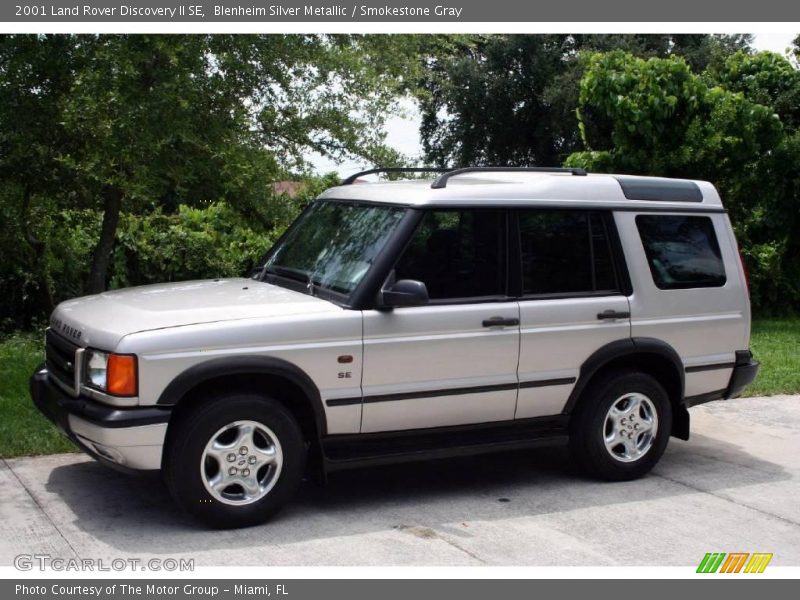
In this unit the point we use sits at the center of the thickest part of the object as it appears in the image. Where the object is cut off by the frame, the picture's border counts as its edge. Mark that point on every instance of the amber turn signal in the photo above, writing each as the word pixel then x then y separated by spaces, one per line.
pixel 121 375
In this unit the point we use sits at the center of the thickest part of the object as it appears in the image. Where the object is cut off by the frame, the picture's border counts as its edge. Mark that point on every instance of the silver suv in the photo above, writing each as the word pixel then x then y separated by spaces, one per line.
pixel 485 310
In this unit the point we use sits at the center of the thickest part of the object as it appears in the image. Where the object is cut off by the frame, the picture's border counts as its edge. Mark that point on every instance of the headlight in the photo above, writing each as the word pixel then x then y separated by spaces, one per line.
pixel 112 373
pixel 97 368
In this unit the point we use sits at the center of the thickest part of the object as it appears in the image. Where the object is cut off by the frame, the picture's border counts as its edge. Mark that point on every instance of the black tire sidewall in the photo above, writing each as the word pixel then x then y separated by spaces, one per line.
pixel 586 436
pixel 182 464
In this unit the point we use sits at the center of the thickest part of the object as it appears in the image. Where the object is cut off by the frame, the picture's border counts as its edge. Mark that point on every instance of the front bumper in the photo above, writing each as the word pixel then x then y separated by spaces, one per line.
pixel 130 439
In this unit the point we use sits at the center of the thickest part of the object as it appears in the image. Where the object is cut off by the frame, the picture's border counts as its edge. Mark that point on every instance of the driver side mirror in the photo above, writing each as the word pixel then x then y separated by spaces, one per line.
pixel 406 292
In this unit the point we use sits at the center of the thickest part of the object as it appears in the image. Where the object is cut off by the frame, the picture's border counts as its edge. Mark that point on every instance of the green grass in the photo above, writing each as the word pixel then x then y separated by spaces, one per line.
pixel 23 431
pixel 776 344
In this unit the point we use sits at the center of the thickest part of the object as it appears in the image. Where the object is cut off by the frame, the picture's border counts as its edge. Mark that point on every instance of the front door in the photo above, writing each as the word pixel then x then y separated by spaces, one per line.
pixel 454 361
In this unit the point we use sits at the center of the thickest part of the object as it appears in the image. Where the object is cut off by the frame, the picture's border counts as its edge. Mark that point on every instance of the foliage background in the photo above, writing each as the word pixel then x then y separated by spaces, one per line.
pixel 693 106
pixel 126 160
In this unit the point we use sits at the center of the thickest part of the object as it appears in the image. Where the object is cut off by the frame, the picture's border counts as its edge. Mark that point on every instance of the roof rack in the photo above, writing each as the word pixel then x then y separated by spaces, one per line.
pixel 350 180
pixel 441 181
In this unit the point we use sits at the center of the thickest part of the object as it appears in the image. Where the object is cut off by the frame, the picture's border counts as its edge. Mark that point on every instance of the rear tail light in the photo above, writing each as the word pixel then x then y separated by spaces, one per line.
pixel 746 272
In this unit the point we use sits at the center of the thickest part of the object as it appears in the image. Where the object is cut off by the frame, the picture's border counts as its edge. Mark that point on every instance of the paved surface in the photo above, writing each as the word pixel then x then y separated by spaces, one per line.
pixel 734 487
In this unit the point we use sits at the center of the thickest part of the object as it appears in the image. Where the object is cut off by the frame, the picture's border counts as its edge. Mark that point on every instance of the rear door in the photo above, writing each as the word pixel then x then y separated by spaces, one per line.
pixel 572 301
pixel 454 361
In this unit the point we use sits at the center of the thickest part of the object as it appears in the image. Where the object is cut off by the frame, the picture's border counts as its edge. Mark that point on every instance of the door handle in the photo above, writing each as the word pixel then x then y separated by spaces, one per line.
pixel 500 322
pixel 613 314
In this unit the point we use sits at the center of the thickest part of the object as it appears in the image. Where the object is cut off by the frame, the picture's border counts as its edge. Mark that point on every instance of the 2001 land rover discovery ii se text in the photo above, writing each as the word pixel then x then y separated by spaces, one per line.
pixel 487 309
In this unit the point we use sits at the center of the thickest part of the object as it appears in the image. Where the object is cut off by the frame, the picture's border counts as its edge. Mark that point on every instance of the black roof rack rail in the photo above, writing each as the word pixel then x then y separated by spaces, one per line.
pixel 350 180
pixel 441 181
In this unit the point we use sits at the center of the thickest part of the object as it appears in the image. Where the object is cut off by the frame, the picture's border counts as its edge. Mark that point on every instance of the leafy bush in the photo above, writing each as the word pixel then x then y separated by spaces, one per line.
pixel 43 263
pixel 194 243
pixel 734 125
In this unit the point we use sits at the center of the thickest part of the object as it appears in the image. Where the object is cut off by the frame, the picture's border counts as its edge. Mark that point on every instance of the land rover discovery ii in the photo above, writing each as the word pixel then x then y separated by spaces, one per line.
pixel 484 310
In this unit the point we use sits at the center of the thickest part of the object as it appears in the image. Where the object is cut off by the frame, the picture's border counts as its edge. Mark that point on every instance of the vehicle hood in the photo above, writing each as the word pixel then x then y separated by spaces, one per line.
pixel 102 320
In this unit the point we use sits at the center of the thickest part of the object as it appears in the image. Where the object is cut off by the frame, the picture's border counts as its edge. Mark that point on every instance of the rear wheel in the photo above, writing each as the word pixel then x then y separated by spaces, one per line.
pixel 621 427
pixel 234 460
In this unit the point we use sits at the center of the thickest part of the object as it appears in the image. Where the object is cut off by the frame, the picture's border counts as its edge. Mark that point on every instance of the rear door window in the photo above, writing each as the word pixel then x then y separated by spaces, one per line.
pixel 682 251
pixel 565 252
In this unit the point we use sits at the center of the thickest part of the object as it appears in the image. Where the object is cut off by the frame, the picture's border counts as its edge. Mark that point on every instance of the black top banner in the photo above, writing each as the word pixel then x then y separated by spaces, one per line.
pixel 488 11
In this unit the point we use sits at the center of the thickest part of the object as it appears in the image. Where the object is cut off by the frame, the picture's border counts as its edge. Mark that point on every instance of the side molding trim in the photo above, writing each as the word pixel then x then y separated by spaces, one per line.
pixel 482 389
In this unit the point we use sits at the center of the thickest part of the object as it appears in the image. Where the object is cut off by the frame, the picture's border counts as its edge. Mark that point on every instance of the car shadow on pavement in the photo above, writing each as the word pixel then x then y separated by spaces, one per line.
pixel 135 515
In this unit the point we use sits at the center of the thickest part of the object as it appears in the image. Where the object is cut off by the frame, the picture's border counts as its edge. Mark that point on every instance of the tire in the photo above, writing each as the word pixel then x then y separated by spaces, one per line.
pixel 210 442
pixel 640 423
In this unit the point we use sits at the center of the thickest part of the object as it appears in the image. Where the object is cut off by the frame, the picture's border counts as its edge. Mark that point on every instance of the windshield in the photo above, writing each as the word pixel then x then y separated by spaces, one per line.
pixel 332 244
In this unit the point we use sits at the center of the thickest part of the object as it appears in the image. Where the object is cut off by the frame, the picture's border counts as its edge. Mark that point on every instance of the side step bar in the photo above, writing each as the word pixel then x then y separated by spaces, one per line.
pixel 371 449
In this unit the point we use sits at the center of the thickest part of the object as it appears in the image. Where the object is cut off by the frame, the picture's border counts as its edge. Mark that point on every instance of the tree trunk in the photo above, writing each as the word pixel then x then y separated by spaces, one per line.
pixel 112 203
pixel 39 249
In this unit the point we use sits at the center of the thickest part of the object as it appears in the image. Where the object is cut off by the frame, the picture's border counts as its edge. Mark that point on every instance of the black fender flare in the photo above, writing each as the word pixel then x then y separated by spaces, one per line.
pixel 245 365
pixel 622 348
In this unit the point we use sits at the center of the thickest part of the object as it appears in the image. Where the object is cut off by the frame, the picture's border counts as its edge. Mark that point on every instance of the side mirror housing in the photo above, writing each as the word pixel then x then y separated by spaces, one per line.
pixel 406 292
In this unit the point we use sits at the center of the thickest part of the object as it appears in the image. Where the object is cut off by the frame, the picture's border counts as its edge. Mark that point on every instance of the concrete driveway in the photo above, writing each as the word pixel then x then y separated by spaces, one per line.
pixel 735 487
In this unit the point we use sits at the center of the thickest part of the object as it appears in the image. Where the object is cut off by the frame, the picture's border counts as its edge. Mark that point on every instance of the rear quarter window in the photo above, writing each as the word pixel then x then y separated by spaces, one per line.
pixel 682 251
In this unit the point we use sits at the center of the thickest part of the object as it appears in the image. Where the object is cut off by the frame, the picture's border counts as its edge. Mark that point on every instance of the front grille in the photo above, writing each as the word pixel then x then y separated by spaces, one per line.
pixel 60 359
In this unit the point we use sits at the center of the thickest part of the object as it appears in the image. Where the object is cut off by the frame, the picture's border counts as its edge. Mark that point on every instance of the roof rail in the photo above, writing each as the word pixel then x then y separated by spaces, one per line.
pixel 350 180
pixel 441 181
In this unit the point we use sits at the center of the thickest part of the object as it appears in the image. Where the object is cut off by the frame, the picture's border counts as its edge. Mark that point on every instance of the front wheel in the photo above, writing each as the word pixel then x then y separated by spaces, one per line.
pixel 621 427
pixel 234 460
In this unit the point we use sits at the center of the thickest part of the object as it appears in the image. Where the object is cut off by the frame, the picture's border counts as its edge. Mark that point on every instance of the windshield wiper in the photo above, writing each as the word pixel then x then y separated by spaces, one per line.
pixel 288 272
pixel 293 274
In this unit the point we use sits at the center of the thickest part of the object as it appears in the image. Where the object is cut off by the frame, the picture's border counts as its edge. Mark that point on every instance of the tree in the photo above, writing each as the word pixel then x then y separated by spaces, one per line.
pixel 511 99
pixel 765 78
pixel 135 122
pixel 34 75
pixel 657 117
